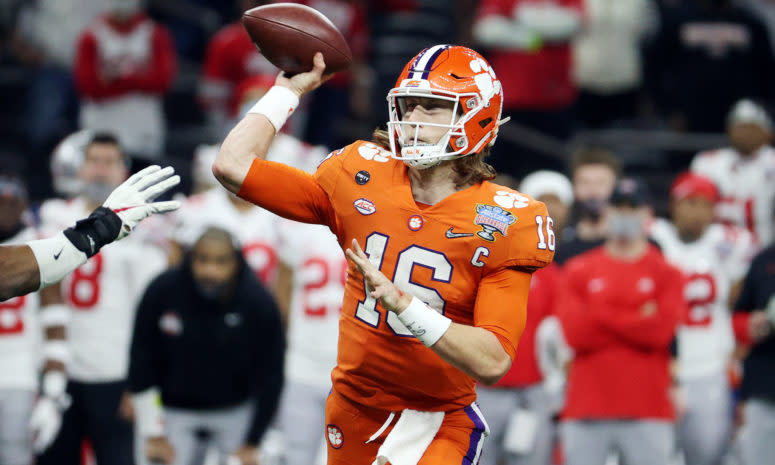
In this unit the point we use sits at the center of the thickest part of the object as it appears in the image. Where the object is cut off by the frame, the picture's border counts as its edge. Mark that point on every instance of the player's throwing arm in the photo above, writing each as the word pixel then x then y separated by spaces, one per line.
pixel 33 266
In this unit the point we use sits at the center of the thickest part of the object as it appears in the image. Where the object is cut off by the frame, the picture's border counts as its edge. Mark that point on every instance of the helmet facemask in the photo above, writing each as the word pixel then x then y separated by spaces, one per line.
pixel 404 134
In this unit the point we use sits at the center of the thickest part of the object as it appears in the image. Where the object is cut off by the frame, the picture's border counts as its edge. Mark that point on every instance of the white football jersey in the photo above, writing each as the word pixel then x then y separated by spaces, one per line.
pixel 256 228
pixel 747 188
pixel 103 295
pixel 319 271
pixel 712 264
pixel 20 334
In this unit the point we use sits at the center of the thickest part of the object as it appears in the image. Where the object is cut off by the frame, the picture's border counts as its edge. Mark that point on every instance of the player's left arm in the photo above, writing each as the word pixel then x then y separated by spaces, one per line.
pixel 484 354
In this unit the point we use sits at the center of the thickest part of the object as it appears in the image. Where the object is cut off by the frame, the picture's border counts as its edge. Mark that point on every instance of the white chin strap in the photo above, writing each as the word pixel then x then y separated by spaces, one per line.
pixel 422 156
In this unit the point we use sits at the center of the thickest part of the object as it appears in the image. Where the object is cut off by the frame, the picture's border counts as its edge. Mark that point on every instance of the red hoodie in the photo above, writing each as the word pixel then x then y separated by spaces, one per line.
pixel 622 355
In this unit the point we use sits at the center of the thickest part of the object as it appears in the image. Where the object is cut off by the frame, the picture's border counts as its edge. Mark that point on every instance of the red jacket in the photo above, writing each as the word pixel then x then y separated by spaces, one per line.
pixel 622 356
pixel 532 79
pixel 540 304
pixel 115 59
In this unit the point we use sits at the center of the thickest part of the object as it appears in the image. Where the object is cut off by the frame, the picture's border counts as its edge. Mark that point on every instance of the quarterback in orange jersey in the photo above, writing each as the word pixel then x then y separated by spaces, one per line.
pixel 441 258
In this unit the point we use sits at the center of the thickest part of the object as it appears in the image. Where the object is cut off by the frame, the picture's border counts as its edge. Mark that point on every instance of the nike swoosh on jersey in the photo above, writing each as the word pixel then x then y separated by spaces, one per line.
pixel 56 255
pixel 454 235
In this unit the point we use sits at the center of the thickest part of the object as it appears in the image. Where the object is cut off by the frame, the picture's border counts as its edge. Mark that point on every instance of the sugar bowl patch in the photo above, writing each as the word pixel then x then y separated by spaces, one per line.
pixel 493 219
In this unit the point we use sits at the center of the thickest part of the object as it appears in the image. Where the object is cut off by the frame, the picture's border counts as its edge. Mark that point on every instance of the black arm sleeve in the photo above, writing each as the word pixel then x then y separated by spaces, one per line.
pixel 270 355
pixel 143 353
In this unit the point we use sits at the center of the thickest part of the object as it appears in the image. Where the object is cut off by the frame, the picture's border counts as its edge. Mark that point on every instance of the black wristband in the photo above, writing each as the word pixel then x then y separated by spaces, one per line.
pixel 90 234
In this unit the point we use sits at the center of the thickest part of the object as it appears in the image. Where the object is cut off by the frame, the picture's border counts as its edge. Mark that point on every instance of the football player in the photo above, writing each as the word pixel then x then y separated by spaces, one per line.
pixel 714 258
pixel 416 205
pixel 311 279
pixel 20 348
pixel 744 172
pixel 101 296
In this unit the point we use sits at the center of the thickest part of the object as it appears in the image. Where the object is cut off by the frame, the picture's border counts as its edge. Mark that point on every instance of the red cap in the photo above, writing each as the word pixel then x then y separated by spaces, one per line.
pixel 688 185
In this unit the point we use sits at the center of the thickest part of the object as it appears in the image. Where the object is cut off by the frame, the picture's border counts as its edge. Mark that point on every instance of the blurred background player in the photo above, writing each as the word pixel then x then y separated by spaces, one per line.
pixel 209 340
pixel 620 306
pixel 529 43
pixel 744 172
pixel 518 407
pixel 101 295
pixel 230 59
pixel 714 259
pixel 124 64
pixel 593 172
pixel 22 327
pixel 311 280
pixel 755 325
pixel 66 161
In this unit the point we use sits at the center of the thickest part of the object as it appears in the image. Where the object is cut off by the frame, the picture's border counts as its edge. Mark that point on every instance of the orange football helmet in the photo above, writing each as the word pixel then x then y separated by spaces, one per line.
pixel 453 73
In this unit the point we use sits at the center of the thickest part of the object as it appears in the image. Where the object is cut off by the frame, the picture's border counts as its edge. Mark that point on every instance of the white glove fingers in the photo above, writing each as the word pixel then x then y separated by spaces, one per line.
pixel 142 173
pixel 153 178
pixel 163 207
pixel 159 188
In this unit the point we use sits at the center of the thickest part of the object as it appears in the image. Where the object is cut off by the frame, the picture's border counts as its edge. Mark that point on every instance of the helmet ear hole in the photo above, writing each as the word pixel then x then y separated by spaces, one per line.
pixel 483 123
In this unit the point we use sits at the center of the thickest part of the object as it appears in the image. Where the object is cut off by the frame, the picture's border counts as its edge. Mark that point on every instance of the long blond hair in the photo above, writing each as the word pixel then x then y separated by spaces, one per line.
pixel 471 169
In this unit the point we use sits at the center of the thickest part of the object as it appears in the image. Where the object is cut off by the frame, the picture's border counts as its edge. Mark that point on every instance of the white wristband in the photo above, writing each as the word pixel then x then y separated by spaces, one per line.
pixel 148 413
pixel 53 384
pixel 54 315
pixel 277 105
pixel 56 349
pixel 56 257
pixel 425 323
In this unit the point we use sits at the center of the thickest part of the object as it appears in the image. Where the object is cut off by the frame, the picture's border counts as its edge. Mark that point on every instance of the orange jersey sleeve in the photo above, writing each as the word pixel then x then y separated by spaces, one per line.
pixel 501 306
pixel 288 192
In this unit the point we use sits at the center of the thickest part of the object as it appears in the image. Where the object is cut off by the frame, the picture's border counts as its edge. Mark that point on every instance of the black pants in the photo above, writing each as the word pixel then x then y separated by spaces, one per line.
pixel 93 415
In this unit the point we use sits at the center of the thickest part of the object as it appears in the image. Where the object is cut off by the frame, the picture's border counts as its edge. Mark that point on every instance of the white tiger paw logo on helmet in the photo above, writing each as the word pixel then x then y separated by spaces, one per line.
pixel 335 436
pixel 371 151
pixel 508 199
pixel 485 79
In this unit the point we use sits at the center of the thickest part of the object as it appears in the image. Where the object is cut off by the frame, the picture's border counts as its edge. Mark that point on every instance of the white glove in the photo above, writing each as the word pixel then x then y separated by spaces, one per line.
pixel 45 421
pixel 132 200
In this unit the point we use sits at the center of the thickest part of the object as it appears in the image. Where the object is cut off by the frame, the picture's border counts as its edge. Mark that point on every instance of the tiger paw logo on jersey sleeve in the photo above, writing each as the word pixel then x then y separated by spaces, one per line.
pixel 508 199
pixel 335 436
pixel 373 152
pixel 492 219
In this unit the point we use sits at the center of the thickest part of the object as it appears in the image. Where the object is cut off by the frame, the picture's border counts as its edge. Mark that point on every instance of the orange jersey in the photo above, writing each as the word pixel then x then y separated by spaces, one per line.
pixel 469 256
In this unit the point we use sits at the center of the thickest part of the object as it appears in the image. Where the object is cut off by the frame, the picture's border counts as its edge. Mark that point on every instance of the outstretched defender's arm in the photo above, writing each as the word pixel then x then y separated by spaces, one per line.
pixel 30 267
pixel 19 273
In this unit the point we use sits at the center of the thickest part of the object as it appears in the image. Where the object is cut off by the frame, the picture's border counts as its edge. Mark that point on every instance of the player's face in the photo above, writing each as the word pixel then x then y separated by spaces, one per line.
pixel 214 266
pixel 426 110
pixel 691 216
pixel 103 163
pixel 625 222
pixel 11 210
pixel 593 182
pixel 748 137
pixel 557 210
